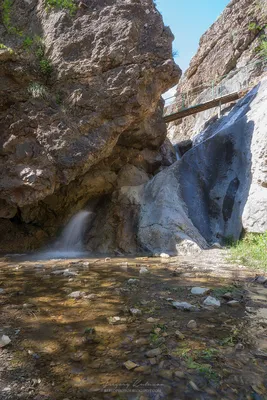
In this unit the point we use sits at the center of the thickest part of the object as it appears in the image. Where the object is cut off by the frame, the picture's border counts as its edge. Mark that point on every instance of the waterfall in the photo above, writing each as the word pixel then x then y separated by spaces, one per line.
pixel 71 238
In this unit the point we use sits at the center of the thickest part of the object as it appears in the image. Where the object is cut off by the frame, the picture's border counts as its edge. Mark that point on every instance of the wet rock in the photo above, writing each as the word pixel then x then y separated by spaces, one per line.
pixel 4 341
pixel 153 353
pixel 130 365
pixel 183 306
pixel 199 290
pixel 211 301
pixel 179 335
pixel 234 304
pixel 135 311
pixel 166 374
pixel 76 295
pixel 192 324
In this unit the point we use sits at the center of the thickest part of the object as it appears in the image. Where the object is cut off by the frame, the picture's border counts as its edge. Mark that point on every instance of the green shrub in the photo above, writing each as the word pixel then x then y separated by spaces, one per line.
pixel 46 67
pixel 6 18
pixel 251 251
pixel 63 4
pixel 2 46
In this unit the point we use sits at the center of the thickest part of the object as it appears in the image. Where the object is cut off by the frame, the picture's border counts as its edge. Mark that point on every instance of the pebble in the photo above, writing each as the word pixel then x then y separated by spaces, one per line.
pixel 113 320
pixel 68 273
pixel 183 305
pixel 142 341
pixel 2 290
pixel 151 319
pixel 76 295
pixel 4 341
pixel 239 346
pixel 179 335
pixel 194 386
pixel 153 361
pixel 192 324
pixel 199 290
pixel 211 301
pixel 143 271
pixel 179 374
pixel 91 296
pixel 135 311
pixel 130 365
pixel 166 374
pixel 227 296
pixel 133 281
pixel 234 303
pixel 164 255
pixel 107 259
pixel 153 353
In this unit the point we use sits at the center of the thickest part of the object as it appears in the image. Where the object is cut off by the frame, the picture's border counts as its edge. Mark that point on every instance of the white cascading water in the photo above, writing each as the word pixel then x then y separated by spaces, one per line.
pixel 71 238
pixel 70 242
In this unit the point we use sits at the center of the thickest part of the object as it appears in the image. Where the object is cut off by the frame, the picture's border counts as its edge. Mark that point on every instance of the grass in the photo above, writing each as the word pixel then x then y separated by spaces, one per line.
pixel 251 251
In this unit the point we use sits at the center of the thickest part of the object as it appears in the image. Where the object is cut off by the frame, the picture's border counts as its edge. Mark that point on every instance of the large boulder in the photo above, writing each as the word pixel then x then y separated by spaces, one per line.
pixel 217 188
pixel 81 96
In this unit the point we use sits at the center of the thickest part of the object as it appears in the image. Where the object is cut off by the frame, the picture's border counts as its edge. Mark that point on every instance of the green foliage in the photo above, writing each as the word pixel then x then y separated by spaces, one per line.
pixel 37 90
pixel 46 67
pixel 263 47
pixel 6 18
pixel 63 4
pixel 27 42
pixel 2 46
pixel 251 251
pixel 253 26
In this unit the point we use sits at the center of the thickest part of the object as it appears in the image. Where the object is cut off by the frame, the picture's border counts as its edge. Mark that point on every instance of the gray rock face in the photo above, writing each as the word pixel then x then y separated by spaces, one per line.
pixel 70 121
pixel 226 56
pixel 218 187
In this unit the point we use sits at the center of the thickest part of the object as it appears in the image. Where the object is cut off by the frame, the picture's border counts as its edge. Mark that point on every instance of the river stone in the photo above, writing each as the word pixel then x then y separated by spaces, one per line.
pixel 199 290
pixel 153 353
pixel 2 291
pixel 130 365
pixel 143 271
pixel 166 374
pixel 183 306
pixel 76 295
pixel 211 301
pixel 192 324
pixel 135 311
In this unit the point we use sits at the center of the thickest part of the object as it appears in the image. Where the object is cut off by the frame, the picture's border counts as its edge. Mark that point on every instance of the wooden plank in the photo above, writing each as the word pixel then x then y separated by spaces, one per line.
pixel 205 106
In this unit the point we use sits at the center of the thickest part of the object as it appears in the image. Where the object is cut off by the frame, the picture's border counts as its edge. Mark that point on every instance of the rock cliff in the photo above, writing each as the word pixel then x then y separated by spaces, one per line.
pixel 217 188
pixel 229 58
pixel 80 109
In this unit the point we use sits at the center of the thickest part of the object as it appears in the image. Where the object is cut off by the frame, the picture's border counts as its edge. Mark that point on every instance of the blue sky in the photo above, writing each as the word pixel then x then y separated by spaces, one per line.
pixel 188 20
